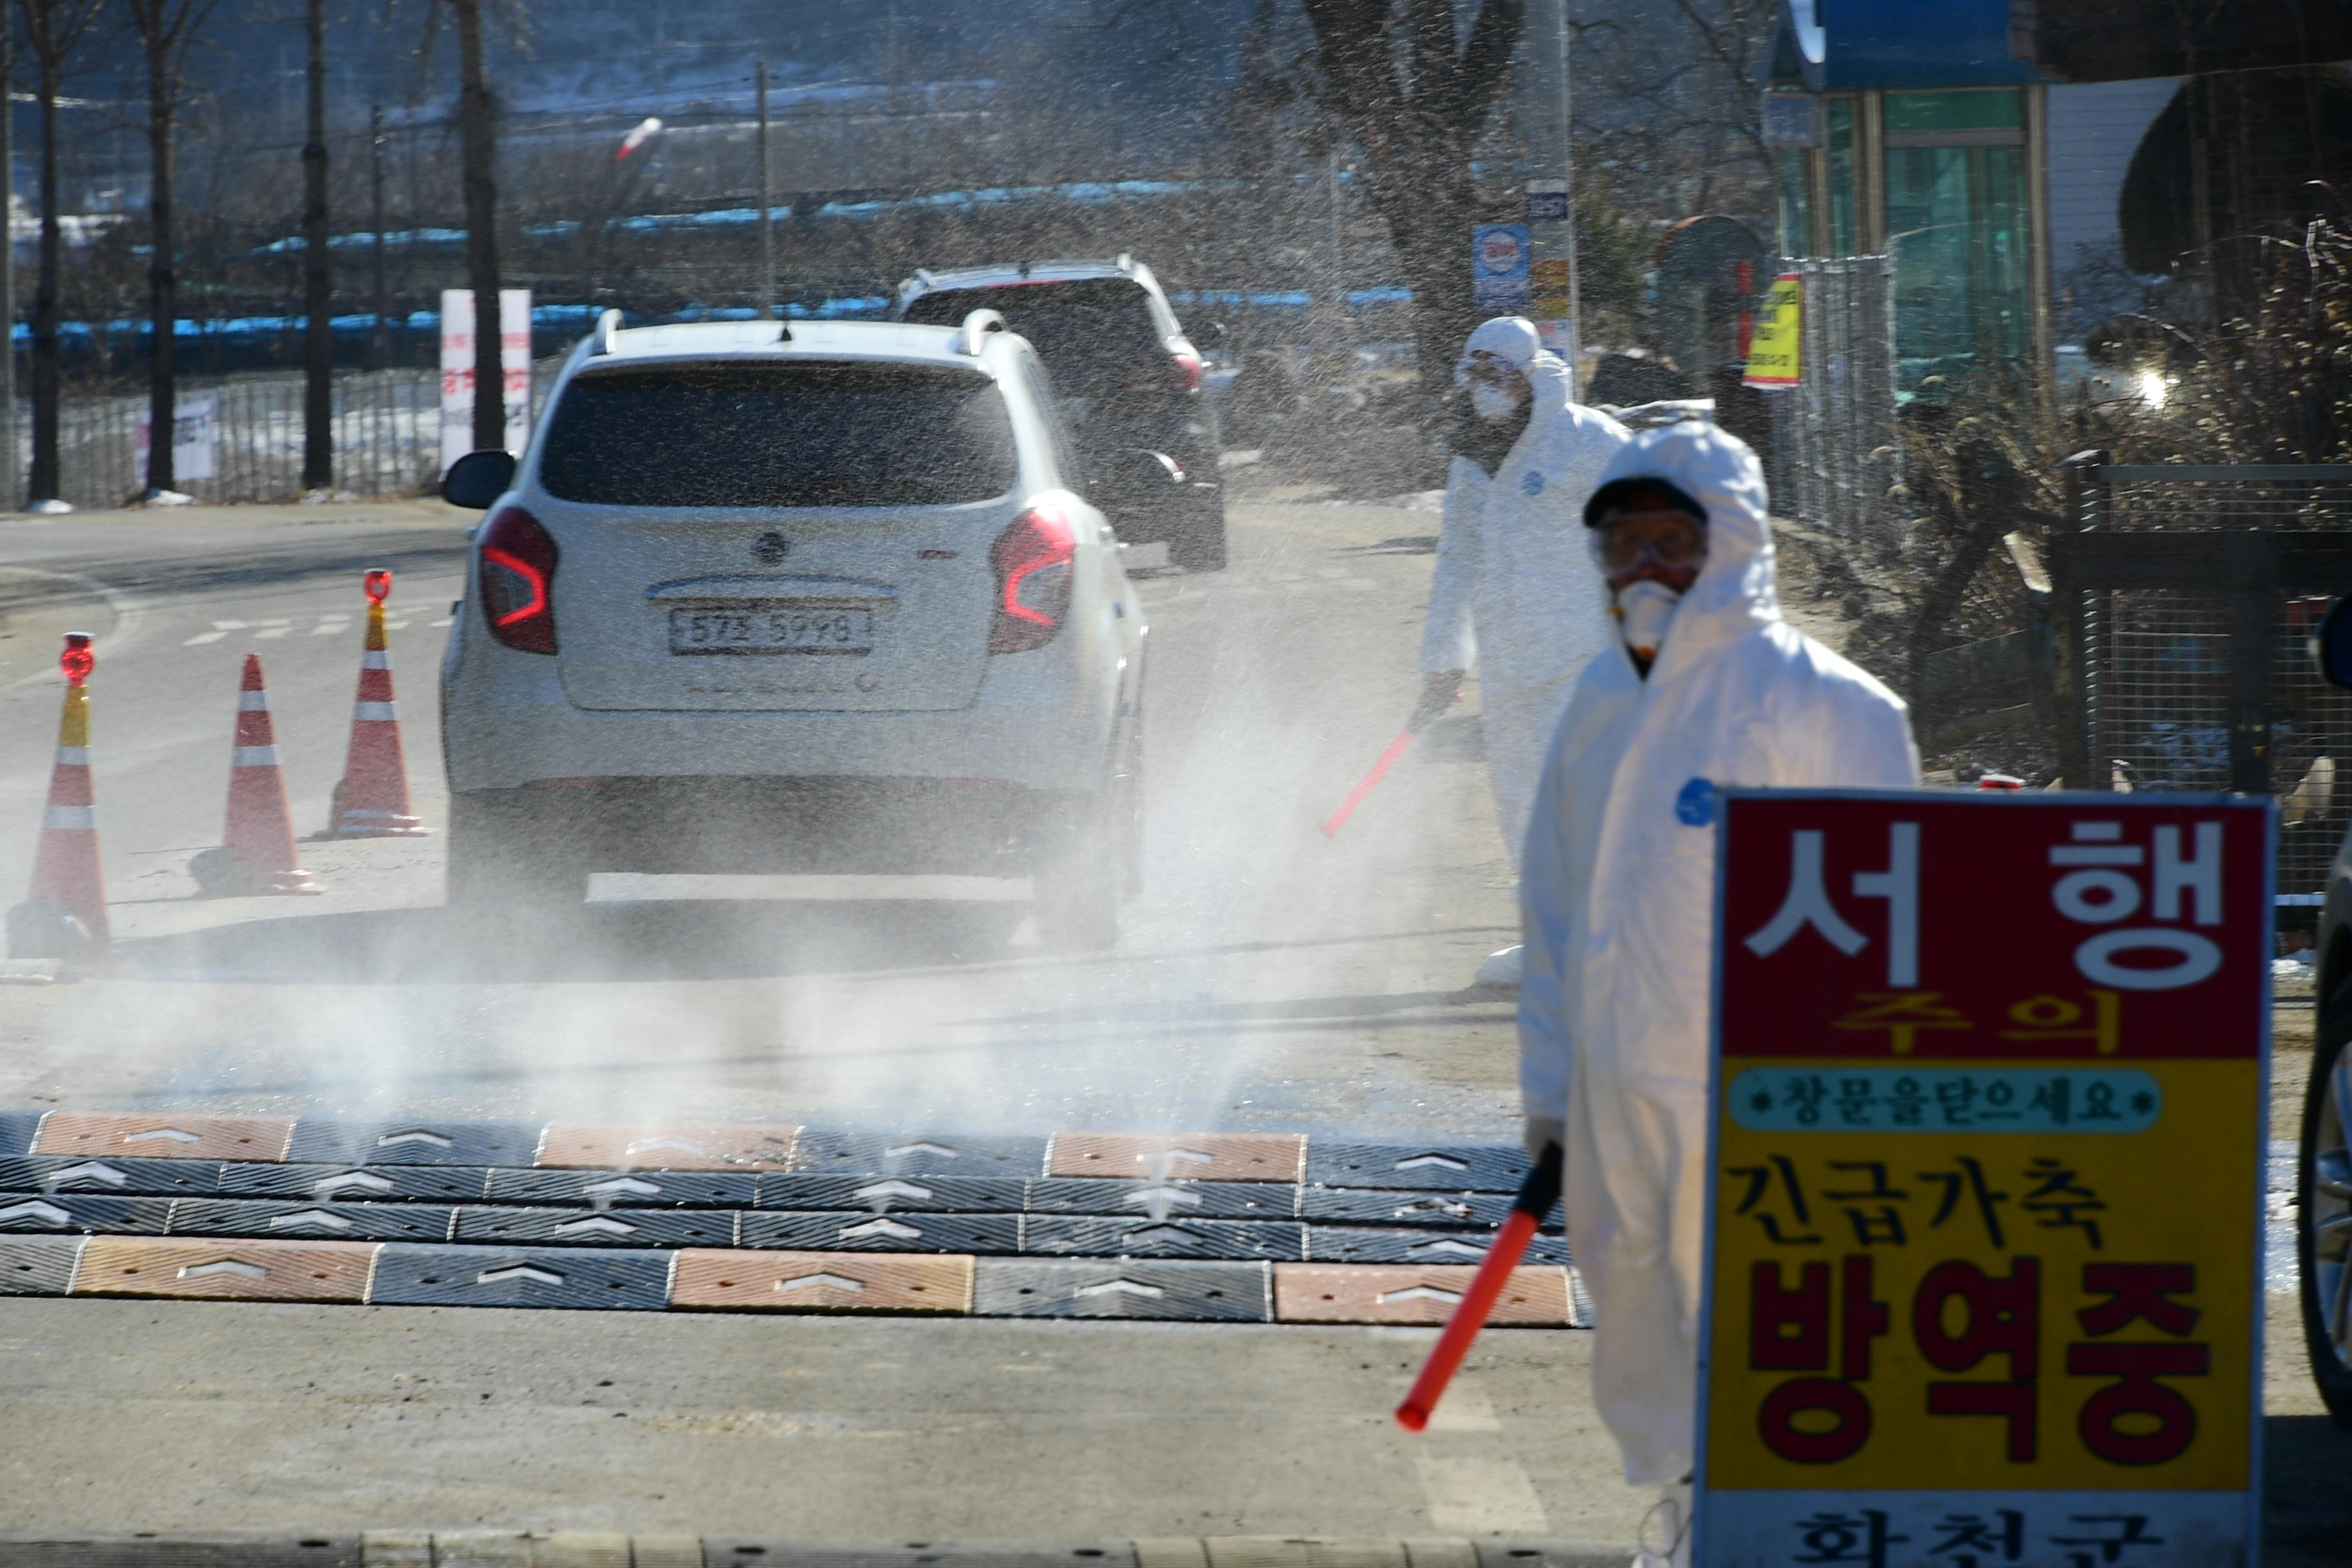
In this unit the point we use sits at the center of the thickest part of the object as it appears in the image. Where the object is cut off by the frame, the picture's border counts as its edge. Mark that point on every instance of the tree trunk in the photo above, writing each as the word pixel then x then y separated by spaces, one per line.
pixel 163 301
pixel 317 325
pixel 481 231
pixel 47 371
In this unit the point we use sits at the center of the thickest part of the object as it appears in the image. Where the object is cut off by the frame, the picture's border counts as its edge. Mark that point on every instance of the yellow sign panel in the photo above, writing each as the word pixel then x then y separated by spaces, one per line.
pixel 1776 352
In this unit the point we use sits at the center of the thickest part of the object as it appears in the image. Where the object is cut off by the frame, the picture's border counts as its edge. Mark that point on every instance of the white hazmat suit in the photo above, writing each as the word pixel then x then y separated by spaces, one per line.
pixel 1514 589
pixel 1617 897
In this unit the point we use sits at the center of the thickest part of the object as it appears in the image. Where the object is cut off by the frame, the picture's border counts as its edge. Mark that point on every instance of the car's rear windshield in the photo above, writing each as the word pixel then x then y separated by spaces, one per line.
pixel 799 435
pixel 1072 325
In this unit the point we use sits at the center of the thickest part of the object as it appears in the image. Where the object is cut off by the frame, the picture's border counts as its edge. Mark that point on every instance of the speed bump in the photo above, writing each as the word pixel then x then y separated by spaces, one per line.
pixel 78 1173
pixel 822 1281
pixel 38 1265
pixel 163 1137
pixel 225 1271
pixel 408 1275
pixel 867 1232
pixel 419 1142
pixel 1197 1292
pixel 670 1146
pixel 595 1227
pixel 886 1194
pixel 626 1189
pixel 918 1154
pixel 1076 1236
pixel 1397 1206
pixel 1536 1297
pixel 1164 1200
pixel 1442 1167
pixel 22 1214
pixel 1188 1156
pixel 1357 1244
pixel 352 1183
pixel 340 1222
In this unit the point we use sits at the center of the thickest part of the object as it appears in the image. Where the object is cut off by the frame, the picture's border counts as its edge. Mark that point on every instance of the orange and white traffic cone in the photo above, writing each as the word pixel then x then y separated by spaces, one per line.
pixel 257 853
pixel 63 916
pixel 372 801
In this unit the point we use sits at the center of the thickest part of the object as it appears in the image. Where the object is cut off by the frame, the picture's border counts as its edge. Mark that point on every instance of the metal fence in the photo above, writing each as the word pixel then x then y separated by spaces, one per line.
pixel 387 435
pixel 2193 594
pixel 1835 451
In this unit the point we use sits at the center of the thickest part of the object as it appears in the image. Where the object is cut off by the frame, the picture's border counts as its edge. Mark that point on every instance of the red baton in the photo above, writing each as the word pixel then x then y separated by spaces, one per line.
pixel 1430 707
pixel 1528 1211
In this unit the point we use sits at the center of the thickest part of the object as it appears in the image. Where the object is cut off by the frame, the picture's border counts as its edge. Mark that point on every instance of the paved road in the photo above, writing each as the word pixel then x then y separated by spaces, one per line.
pixel 1269 980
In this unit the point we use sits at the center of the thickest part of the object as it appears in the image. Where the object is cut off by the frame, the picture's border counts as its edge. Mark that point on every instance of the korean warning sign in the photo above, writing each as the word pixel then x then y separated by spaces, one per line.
pixel 1983 1228
pixel 1776 350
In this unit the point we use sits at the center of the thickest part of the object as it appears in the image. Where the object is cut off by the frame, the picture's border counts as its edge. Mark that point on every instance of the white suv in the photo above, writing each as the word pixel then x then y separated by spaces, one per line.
pixel 820 598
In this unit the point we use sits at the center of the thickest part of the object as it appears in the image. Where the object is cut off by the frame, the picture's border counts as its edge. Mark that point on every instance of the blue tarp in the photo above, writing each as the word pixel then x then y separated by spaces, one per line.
pixel 1859 45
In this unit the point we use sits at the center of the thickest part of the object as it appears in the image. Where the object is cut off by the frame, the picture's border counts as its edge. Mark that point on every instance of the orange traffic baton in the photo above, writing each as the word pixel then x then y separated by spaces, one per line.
pixel 1429 708
pixel 1528 1211
pixel 371 800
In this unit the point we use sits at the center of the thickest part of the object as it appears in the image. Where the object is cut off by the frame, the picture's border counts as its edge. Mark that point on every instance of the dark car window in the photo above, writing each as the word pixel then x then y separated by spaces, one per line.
pixel 1082 327
pixel 779 435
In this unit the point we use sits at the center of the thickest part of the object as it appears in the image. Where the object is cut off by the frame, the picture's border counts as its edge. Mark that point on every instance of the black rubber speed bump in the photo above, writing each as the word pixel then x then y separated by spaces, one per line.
pixel 930 1154
pixel 33 1214
pixel 311 1222
pixel 591 1227
pixel 17 1130
pixel 1076 1236
pixel 496 1276
pixel 1164 1200
pixel 1355 1244
pixel 864 1232
pixel 352 1183
pixel 886 1194
pixel 121 1178
pixel 1438 1167
pixel 1394 1206
pixel 1197 1292
pixel 38 1265
pixel 626 1189
pixel 425 1142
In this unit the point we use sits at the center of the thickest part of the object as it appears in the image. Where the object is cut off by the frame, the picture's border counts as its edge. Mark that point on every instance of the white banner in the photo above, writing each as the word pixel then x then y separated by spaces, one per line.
pixel 457 370
pixel 196 430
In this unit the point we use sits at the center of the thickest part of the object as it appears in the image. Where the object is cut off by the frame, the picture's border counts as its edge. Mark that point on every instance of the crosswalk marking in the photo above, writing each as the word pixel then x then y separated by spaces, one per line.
pixel 332 624
pixel 329 629
pixel 204 637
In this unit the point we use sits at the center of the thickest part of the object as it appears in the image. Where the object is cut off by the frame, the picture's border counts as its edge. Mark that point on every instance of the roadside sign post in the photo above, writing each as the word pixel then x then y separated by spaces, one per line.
pixel 1498 269
pixel 1984 1232
pixel 1775 349
pixel 458 357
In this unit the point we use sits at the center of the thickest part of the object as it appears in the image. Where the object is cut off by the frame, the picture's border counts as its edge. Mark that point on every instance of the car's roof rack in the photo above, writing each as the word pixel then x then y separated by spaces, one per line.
pixel 976 327
pixel 608 327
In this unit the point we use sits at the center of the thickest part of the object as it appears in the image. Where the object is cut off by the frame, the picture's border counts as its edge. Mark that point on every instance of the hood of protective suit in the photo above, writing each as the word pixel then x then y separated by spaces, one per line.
pixel 1736 591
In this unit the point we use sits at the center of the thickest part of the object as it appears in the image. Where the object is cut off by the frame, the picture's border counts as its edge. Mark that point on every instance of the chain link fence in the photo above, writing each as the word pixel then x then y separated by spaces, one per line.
pixel 1835 452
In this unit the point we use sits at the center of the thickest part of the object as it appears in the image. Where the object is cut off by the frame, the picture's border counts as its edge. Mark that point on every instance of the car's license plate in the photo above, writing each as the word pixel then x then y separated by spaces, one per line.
pixel 773 628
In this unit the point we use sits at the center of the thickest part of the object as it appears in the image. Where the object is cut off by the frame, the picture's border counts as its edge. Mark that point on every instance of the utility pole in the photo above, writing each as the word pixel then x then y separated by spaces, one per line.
pixel 478 136
pixel 375 221
pixel 1542 113
pixel 8 497
pixel 318 328
pixel 767 207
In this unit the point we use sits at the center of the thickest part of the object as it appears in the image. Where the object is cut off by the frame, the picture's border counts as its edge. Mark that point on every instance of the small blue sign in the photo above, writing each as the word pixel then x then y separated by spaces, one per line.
pixel 1498 267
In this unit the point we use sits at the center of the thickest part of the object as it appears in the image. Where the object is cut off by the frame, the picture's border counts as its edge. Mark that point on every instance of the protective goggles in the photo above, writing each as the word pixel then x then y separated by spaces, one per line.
pixel 1674 539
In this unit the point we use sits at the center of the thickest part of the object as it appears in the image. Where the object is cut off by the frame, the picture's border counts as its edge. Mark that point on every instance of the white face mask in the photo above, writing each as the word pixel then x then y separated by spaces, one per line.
pixel 1642 610
pixel 1493 403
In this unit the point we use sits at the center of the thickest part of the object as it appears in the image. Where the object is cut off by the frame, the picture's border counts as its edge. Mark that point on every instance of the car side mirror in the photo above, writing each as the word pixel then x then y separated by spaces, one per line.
pixel 1216 334
pixel 478 479
pixel 2331 646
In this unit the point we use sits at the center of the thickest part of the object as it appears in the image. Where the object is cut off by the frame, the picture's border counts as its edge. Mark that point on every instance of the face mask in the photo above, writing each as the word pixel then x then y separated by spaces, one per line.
pixel 1642 610
pixel 1492 403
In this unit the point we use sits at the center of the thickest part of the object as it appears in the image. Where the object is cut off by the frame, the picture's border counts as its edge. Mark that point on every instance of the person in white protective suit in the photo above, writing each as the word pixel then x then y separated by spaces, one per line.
pixel 1706 687
pixel 1513 590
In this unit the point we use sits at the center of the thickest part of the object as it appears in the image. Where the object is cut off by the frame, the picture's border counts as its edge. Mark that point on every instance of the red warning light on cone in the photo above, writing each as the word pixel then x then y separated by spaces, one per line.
pixel 77 660
pixel 378 583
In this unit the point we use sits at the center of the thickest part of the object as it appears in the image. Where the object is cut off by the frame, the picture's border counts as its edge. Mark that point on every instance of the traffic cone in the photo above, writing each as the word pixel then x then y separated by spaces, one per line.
pixel 372 801
pixel 64 915
pixel 257 853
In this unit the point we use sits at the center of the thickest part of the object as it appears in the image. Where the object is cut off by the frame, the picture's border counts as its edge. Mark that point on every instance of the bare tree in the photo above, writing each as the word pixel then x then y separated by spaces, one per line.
pixel 317 325
pixel 166 29
pixel 478 133
pixel 54 30
pixel 1416 102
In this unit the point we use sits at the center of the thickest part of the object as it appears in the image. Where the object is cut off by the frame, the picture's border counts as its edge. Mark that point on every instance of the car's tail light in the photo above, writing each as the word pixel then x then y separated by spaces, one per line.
pixel 1188 369
pixel 518 581
pixel 1035 559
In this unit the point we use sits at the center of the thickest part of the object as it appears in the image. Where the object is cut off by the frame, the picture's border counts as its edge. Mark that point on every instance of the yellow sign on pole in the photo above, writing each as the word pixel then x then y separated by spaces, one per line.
pixel 1776 353
pixel 1985 1229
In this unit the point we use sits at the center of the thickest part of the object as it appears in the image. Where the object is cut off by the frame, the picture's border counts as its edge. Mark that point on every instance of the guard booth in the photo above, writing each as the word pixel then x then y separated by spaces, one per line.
pixel 2187 598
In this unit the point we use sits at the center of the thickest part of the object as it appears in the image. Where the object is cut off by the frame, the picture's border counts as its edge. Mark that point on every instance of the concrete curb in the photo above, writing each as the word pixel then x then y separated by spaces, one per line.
pixel 598 1549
